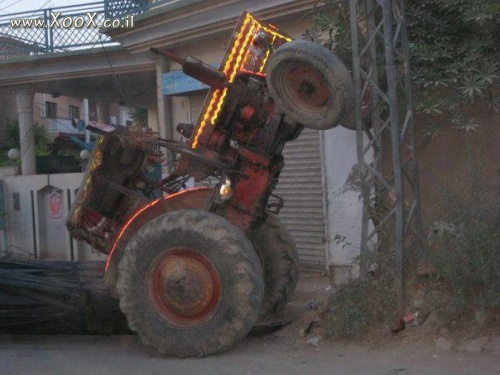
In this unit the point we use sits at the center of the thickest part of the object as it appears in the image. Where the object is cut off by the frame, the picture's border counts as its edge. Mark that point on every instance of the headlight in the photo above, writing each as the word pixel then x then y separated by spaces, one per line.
pixel 224 190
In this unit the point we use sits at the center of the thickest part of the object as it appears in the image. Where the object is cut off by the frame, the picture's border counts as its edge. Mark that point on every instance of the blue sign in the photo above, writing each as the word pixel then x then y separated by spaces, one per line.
pixel 176 82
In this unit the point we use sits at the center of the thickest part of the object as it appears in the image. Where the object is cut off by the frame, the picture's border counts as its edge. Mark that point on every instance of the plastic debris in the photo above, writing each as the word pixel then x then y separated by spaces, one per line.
pixel 408 318
pixel 313 305
pixel 314 341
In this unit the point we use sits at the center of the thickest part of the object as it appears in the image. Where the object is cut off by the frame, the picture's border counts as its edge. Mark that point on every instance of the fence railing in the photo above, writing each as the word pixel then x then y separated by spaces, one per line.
pixel 66 28
pixel 58 125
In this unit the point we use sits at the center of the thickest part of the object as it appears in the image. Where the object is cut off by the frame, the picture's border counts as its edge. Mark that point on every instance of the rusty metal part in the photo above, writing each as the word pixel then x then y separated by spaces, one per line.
pixel 185 286
pixel 307 86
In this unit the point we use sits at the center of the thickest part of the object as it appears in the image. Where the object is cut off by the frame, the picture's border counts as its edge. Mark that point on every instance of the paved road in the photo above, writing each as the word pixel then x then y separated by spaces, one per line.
pixel 272 354
pixel 281 352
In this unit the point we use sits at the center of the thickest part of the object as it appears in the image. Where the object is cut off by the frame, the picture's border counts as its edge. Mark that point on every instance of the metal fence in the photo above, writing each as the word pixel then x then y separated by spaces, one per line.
pixel 66 28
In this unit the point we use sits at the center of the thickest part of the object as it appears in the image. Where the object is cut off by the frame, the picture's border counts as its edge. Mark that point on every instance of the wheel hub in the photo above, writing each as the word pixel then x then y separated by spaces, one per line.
pixel 308 87
pixel 186 286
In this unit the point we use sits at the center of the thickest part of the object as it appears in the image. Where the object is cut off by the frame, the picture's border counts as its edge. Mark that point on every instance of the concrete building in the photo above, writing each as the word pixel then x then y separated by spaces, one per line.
pixel 69 115
pixel 319 209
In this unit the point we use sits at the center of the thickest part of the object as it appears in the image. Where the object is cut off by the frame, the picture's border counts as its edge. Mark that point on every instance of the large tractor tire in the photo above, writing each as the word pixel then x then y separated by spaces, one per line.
pixel 190 284
pixel 311 84
pixel 278 255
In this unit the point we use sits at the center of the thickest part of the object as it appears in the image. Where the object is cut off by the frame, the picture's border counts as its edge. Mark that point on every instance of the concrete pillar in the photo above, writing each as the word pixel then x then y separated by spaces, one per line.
pixel 24 99
pixel 165 124
pixel 344 208
pixel 102 107
pixel 153 119
pixel 164 102
pixel 86 117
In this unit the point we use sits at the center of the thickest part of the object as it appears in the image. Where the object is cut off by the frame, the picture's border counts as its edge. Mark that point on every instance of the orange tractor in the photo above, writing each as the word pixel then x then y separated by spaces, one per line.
pixel 195 268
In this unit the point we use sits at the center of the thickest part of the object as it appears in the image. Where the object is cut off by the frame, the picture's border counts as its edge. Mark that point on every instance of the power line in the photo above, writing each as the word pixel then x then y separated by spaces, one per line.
pixel 115 77
pixel 35 12
pixel 14 3
pixel 18 1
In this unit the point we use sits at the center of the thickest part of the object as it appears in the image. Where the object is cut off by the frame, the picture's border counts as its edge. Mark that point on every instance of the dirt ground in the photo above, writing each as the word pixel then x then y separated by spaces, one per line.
pixel 284 351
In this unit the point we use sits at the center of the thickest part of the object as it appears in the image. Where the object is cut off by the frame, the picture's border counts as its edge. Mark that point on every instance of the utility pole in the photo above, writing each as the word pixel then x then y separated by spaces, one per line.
pixel 388 170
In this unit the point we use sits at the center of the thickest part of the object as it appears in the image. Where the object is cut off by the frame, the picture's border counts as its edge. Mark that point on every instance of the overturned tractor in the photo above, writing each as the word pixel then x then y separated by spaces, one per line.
pixel 195 268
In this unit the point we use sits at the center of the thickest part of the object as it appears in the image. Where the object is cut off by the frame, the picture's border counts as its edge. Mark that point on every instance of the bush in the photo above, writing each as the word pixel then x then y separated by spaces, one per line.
pixel 361 306
pixel 12 140
pixel 464 247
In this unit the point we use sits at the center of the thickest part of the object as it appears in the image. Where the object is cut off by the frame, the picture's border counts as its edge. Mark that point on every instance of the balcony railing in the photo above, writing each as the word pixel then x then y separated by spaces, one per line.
pixel 58 125
pixel 66 28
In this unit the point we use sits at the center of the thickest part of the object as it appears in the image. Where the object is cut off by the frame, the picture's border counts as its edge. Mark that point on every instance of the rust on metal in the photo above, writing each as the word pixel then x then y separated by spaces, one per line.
pixel 185 286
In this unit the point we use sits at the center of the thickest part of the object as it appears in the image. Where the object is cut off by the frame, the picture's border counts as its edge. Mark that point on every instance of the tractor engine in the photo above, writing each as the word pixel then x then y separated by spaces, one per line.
pixel 249 137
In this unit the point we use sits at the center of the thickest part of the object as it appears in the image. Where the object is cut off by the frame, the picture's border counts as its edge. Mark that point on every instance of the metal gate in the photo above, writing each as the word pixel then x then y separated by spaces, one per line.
pixel 301 186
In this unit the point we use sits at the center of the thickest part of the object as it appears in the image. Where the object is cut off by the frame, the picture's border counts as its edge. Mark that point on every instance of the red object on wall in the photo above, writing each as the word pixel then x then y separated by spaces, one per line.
pixel 55 204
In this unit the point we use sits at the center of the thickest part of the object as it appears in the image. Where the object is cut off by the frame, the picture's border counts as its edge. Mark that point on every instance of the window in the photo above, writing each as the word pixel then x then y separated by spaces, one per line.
pixel 50 109
pixel 74 112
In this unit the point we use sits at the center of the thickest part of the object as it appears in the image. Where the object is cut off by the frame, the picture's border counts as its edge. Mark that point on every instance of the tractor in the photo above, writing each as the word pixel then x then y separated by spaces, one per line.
pixel 194 268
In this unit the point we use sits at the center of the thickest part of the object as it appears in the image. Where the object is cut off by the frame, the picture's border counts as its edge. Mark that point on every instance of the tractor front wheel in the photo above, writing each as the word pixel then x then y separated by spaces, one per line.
pixel 190 284
pixel 310 84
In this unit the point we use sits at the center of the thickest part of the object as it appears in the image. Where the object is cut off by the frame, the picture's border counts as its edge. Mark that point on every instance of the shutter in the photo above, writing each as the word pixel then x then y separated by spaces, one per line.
pixel 300 184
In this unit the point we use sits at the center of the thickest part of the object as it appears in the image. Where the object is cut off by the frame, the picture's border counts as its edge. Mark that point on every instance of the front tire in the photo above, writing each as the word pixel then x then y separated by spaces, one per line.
pixel 311 84
pixel 190 284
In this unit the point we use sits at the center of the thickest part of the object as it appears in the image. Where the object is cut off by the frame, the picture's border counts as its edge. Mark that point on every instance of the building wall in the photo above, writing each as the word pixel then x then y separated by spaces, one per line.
pixel 63 103
pixel 343 205
pixel 35 209
pixel 445 164
pixel 118 113
pixel 62 114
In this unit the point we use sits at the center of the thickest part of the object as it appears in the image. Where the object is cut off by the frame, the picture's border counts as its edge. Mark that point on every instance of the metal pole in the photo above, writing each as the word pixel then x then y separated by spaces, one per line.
pixel 356 67
pixel 384 194
pixel 414 184
pixel 396 152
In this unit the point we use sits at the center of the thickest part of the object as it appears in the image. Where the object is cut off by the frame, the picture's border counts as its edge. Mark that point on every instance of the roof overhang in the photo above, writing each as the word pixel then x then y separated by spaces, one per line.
pixel 111 73
pixel 179 22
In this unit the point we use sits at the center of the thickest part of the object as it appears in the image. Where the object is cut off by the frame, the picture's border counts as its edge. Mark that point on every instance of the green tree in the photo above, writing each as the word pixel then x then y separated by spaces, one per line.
pixel 454 48
pixel 455 58
pixel 454 64
pixel 139 116
pixel 12 138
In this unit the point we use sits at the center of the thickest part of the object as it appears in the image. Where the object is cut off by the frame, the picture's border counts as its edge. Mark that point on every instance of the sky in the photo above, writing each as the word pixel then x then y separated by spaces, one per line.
pixel 14 6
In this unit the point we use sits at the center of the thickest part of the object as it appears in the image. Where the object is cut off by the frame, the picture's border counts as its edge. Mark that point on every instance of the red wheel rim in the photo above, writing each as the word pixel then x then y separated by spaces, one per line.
pixel 185 286
pixel 305 85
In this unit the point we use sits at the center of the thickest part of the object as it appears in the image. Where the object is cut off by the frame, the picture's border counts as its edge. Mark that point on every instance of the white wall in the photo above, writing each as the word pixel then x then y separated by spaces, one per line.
pixel 343 204
pixel 31 226
pixel 7 171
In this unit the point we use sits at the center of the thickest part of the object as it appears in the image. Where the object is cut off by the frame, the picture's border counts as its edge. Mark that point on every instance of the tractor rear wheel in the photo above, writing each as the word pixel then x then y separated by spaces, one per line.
pixel 311 84
pixel 190 284
pixel 278 255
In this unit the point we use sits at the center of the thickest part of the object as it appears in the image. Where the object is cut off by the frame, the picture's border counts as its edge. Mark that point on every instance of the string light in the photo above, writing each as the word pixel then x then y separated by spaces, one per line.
pixel 246 36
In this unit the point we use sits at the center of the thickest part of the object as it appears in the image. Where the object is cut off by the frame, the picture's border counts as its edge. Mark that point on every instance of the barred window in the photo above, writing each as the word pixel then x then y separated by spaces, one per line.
pixel 50 109
pixel 74 112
